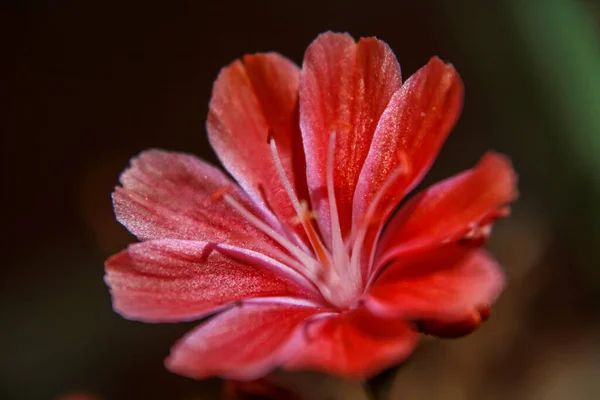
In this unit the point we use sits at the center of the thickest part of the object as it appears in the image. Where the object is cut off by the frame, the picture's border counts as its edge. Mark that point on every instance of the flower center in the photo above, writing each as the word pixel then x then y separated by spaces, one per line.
pixel 335 271
pixel 330 273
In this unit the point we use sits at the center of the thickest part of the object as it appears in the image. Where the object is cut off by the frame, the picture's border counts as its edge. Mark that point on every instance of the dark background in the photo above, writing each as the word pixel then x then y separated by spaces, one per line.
pixel 91 83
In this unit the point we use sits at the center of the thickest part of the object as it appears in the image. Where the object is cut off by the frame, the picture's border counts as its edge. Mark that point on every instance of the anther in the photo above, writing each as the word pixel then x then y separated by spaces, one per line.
pixel 340 126
pixel 313 237
pixel 219 193
pixel 306 214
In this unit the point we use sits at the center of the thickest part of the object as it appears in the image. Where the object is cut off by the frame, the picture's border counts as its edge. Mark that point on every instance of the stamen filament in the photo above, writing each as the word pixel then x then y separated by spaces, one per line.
pixel 340 257
pixel 283 178
pixel 289 233
pixel 369 215
pixel 284 242
pixel 320 250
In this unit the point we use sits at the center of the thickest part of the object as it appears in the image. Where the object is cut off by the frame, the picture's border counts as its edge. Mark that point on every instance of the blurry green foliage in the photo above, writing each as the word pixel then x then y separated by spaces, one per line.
pixel 542 63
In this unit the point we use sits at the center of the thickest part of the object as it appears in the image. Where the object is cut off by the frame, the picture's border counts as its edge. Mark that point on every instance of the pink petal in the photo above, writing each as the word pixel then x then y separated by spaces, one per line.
pixel 354 344
pixel 172 195
pixel 410 133
pixel 456 328
pixel 344 87
pixel 174 280
pixel 445 285
pixel 457 208
pixel 243 343
pixel 251 100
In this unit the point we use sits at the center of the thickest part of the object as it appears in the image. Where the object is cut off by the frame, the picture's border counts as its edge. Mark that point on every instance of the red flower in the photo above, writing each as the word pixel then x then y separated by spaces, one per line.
pixel 294 259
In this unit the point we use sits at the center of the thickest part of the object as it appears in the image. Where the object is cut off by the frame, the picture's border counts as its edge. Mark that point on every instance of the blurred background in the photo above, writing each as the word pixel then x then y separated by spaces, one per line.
pixel 90 84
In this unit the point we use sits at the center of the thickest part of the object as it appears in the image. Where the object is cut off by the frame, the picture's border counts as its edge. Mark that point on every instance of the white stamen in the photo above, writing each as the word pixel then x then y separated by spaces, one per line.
pixel 320 250
pixel 281 260
pixel 340 256
pixel 284 242
pixel 360 237
pixel 292 301
pixel 283 178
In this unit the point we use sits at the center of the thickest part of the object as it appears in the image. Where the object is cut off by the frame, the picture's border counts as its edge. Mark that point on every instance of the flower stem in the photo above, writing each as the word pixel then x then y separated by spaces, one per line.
pixel 379 386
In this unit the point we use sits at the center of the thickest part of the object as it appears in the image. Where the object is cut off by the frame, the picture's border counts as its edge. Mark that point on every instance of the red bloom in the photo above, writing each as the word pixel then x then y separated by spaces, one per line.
pixel 294 258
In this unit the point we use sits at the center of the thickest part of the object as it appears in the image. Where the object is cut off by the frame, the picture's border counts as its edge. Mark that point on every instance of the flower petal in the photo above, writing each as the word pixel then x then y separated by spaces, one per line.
pixel 410 134
pixel 446 285
pixel 172 195
pixel 252 100
pixel 344 87
pixel 243 343
pixel 174 280
pixel 354 344
pixel 460 207
pixel 457 328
